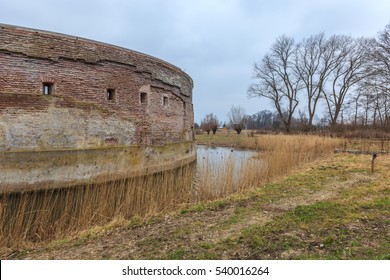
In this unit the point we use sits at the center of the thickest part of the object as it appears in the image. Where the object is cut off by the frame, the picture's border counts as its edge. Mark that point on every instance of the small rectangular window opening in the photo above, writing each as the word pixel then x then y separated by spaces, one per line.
pixel 48 88
pixel 165 101
pixel 143 97
pixel 110 94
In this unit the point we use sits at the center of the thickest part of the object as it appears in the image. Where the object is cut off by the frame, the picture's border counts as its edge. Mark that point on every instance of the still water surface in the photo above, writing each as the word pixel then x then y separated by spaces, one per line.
pixel 217 157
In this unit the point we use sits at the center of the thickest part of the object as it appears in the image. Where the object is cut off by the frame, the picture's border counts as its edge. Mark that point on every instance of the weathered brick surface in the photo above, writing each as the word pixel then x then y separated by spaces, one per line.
pixel 78 114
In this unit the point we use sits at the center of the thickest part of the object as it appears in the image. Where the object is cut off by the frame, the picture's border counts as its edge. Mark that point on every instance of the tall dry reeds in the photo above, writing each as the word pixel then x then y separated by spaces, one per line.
pixel 39 216
pixel 54 213
pixel 278 155
pixel 283 154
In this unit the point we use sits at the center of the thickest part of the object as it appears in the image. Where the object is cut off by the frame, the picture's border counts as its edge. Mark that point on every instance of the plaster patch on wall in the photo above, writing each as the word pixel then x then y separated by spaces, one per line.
pixel 99 129
pixel 62 128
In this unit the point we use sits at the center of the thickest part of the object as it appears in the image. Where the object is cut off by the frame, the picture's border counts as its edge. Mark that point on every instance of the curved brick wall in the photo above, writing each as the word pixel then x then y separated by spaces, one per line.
pixel 64 93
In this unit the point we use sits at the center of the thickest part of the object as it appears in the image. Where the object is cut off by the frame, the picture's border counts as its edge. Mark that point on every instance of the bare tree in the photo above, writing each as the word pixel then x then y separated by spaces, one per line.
pixel 205 124
pixel 277 80
pixel 381 81
pixel 210 123
pixel 214 123
pixel 314 63
pixel 354 104
pixel 351 58
pixel 381 55
pixel 236 117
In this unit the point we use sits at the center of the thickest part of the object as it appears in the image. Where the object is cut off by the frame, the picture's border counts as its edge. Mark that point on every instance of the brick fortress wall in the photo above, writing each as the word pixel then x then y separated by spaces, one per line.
pixel 95 94
pixel 60 92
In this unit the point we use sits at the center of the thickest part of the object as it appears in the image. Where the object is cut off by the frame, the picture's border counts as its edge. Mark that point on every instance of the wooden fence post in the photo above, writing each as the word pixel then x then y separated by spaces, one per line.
pixel 374 156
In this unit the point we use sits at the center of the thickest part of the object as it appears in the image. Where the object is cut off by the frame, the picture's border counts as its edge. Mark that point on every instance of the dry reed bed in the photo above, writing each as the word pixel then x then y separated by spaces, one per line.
pixel 41 216
pixel 279 155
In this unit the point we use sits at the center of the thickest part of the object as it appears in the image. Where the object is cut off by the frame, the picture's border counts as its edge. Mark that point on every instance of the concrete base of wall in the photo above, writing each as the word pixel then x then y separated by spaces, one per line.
pixel 25 171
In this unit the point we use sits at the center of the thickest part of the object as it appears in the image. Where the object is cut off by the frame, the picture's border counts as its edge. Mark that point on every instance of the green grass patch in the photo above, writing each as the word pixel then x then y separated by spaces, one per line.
pixel 178 254
pixel 322 213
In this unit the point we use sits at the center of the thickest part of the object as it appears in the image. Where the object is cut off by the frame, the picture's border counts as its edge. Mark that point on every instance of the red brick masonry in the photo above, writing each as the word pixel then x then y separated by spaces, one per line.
pixel 73 110
pixel 59 91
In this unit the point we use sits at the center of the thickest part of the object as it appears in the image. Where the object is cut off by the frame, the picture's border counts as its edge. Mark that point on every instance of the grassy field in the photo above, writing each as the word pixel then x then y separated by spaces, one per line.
pixel 321 206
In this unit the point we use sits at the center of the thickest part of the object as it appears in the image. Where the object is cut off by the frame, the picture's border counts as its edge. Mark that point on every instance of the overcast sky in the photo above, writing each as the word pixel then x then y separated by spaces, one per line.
pixel 215 41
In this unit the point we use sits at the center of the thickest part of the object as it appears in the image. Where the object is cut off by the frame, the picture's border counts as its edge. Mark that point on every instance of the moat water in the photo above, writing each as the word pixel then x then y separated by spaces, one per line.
pixel 219 156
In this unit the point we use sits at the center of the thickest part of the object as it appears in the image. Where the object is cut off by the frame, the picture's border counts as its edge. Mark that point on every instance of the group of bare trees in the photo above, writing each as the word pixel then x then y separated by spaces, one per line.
pixel 236 116
pixel 349 77
pixel 371 103
pixel 266 120
pixel 346 73
pixel 210 123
